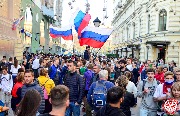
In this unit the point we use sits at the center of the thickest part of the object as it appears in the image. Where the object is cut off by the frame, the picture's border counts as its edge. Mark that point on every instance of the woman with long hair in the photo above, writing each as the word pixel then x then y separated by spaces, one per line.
pixel 14 70
pixel 16 91
pixel 47 84
pixel 129 100
pixel 130 85
pixel 29 104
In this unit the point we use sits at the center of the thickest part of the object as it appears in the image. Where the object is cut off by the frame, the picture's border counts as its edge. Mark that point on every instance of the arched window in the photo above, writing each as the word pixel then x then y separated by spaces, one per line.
pixel 140 27
pixel 134 29
pixel 162 20
pixel 149 20
pixel 127 28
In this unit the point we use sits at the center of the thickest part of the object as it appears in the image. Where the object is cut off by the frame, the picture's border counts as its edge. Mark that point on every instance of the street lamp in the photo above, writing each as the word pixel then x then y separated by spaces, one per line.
pixel 97 22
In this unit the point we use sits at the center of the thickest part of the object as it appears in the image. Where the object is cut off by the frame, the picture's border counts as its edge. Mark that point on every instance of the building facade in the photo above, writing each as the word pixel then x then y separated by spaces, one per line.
pixel 10 40
pixel 32 34
pixel 147 29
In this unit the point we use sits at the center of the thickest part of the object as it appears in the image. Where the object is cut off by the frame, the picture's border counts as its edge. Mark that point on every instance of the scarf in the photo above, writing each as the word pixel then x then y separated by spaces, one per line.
pixel 165 88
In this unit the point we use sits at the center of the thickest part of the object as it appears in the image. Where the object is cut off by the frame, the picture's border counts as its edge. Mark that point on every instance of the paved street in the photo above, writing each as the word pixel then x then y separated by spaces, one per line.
pixel 135 110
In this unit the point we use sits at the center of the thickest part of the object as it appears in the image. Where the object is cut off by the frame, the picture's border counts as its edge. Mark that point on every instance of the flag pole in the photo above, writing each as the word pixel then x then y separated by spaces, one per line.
pixel 96 54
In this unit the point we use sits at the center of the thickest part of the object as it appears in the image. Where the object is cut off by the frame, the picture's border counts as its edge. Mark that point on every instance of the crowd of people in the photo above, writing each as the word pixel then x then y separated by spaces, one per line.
pixel 54 85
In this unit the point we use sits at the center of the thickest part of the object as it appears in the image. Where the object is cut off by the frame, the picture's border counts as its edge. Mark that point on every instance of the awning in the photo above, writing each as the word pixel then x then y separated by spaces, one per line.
pixel 133 45
pixel 155 43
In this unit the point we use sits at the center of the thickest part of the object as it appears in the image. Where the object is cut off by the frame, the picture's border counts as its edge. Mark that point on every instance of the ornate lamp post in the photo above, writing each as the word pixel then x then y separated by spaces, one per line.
pixel 97 22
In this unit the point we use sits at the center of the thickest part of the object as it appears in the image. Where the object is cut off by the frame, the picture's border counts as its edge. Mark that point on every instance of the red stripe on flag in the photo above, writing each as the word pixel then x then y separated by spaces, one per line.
pixel 54 36
pixel 70 37
pixel 91 42
pixel 67 37
pixel 84 23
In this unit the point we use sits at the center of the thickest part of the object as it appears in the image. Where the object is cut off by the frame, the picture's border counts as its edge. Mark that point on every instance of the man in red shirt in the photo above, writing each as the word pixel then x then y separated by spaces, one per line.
pixel 160 74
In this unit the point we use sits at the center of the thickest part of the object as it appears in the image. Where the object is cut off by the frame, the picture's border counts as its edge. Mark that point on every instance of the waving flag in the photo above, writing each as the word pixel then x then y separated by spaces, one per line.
pixel 64 32
pixel 15 23
pixel 80 21
pixel 94 36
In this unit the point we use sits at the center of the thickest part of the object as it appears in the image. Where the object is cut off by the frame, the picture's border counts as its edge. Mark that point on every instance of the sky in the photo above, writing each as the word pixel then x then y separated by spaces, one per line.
pixel 96 10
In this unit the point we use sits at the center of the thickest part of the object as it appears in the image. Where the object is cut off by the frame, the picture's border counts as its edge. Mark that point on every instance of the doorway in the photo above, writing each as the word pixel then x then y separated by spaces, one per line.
pixel 162 53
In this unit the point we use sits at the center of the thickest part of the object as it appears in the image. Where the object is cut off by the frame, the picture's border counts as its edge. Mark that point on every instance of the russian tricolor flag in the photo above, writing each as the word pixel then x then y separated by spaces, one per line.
pixel 94 36
pixel 64 32
pixel 16 23
pixel 81 20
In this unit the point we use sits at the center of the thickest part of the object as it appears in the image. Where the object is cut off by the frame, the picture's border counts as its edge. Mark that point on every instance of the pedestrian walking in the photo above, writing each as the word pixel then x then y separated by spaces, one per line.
pixel 29 84
pixel 114 100
pixel 76 85
pixel 14 70
pixel 146 89
pixel 16 91
pixel 96 96
pixel 163 91
pixel 59 98
pixel 47 84
pixel 54 71
pixel 6 85
pixel 129 100
pixel 35 66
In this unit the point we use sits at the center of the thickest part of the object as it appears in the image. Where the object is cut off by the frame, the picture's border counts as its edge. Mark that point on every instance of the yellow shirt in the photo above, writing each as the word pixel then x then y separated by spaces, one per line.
pixel 48 85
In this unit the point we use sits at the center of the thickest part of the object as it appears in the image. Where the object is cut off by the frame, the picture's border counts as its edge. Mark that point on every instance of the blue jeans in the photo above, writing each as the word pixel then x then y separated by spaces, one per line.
pixel 147 112
pixel 73 109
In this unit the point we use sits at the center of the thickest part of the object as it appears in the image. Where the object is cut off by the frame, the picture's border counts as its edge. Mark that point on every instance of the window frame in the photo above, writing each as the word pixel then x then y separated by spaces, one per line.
pixel 162 20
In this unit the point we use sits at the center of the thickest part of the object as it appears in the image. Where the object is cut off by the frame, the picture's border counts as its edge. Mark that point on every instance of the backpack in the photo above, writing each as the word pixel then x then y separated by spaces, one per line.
pixel 99 94
pixel 44 90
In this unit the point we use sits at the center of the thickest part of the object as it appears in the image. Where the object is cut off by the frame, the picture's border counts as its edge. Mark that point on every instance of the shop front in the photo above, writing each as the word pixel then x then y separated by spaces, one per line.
pixel 157 49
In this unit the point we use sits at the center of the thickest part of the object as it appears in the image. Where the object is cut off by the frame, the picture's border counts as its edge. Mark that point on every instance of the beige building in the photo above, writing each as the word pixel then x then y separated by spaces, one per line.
pixel 10 40
pixel 147 29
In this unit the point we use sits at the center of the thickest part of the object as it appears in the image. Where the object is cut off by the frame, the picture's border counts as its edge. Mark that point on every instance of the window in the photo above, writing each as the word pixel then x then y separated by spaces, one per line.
pixel 134 30
pixel 162 20
pixel 139 27
pixel 122 35
pixel 127 33
pixel 148 23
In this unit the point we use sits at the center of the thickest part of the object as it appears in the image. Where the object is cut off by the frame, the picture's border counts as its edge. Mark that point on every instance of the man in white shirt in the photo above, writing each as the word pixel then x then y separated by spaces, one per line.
pixel 35 67
pixel 6 85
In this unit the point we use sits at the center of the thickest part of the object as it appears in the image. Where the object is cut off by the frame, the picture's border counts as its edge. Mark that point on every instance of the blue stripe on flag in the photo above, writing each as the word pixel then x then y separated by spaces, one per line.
pixel 78 19
pixel 64 33
pixel 95 36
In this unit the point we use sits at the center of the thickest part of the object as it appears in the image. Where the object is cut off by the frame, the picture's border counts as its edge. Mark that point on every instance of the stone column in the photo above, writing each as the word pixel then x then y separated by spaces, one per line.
pixel 35 32
pixel 142 52
pixel 46 36
pixel 149 51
